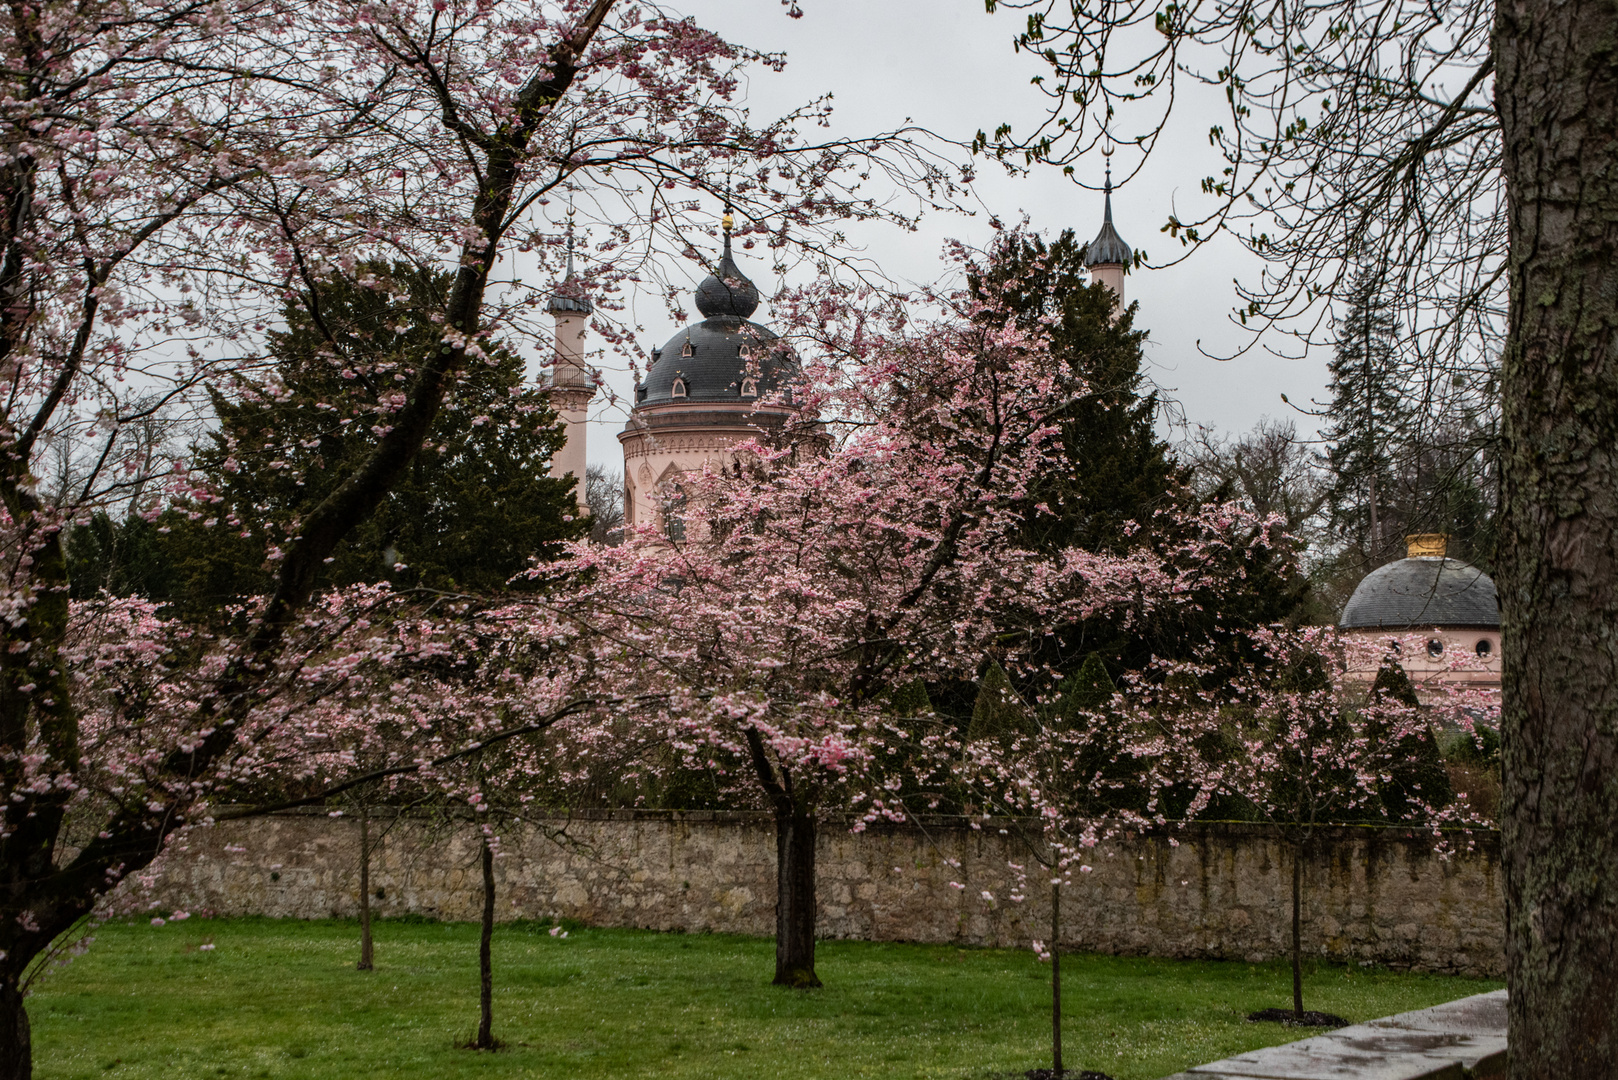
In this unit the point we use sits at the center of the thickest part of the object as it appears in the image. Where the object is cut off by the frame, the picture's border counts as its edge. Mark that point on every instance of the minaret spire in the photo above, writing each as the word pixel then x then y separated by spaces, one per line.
pixel 1106 189
pixel 1108 255
pixel 572 381
pixel 569 275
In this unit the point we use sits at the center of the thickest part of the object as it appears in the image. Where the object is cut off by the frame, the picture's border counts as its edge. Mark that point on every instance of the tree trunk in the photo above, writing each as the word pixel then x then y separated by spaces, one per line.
pixel 1297 933
pixel 366 952
pixel 795 900
pixel 16 1050
pixel 1556 91
pixel 1056 979
pixel 485 965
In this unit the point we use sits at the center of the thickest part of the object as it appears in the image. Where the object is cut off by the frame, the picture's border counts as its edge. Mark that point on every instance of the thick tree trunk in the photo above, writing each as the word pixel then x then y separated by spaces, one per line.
pixel 795 900
pixel 16 1051
pixel 1556 90
pixel 1056 979
pixel 485 964
pixel 366 952
pixel 1297 933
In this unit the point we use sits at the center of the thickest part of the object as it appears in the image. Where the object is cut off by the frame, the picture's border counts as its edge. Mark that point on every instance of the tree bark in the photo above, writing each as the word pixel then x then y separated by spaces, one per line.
pixel 367 958
pixel 485 965
pixel 16 1052
pixel 1297 933
pixel 1556 93
pixel 1056 979
pixel 795 900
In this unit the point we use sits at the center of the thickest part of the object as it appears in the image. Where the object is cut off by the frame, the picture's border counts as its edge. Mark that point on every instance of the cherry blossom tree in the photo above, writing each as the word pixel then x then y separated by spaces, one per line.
pixel 1073 763
pixel 464 710
pixel 1303 738
pixel 173 173
pixel 871 541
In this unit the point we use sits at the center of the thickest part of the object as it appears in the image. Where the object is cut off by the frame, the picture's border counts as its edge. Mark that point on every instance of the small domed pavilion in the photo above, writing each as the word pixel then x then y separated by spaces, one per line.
pixel 1451 604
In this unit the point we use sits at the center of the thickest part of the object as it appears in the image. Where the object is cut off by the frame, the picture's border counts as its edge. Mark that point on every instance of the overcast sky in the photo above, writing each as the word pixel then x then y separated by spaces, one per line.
pixel 949 66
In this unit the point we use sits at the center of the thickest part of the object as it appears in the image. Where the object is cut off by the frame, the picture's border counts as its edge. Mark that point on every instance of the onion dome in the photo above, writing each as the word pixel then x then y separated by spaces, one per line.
pixel 723 358
pixel 1108 248
pixel 566 299
pixel 726 292
pixel 1426 589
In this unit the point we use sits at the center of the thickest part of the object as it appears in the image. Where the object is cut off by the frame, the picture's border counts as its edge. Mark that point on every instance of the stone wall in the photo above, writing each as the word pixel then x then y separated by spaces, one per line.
pixel 1215 891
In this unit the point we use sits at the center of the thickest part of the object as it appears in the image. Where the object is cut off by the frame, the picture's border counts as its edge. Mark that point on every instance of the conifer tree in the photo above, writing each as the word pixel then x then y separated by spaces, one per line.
pixel 1365 423
pixel 998 711
pixel 1118 469
pixel 476 504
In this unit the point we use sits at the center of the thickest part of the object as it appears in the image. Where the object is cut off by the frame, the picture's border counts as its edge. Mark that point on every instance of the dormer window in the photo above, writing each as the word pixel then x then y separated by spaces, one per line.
pixel 745 352
pixel 749 388
pixel 685 350
pixel 679 388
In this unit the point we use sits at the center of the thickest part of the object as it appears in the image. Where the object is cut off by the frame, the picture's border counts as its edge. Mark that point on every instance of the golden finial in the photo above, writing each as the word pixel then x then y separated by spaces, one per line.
pixel 1426 545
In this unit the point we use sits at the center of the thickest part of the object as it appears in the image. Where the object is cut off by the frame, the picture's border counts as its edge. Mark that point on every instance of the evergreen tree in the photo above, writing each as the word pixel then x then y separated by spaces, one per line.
pixel 1416 774
pixel 1406 455
pixel 476 505
pixel 998 711
pixel 1366 423
pixel 1118 470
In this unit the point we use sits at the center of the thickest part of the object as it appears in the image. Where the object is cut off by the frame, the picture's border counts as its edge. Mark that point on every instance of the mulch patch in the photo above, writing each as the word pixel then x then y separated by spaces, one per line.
pixel 1292 1019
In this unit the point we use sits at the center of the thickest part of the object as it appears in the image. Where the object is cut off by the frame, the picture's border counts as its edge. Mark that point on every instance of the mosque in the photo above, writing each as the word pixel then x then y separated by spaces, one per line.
pixel 727 379
pixel 714 384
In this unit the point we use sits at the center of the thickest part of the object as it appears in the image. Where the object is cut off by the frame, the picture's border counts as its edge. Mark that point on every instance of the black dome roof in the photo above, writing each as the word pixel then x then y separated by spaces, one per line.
pixel 1423 591
pixel 724 357
pixel 713 358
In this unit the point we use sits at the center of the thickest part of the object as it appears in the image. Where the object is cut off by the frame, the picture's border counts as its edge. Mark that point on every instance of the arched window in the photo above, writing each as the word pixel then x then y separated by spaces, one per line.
pixel 679 388
pixel 1485 646
pixel 685 350
pixel 749 388
pixel 674 512
pixel 1435 648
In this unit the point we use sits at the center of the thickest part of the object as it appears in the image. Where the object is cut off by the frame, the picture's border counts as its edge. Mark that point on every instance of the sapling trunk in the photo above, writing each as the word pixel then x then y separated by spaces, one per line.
pixel 485 965
pixel 366 952
pixel 1297 933
pixel 1056 979
pixel 795 900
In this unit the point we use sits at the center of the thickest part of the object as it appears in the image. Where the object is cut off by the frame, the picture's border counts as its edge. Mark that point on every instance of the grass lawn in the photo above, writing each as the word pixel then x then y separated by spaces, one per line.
pixel 282 999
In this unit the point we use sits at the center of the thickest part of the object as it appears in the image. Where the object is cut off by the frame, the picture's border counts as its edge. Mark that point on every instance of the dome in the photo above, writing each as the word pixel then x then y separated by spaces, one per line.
pixel 1423 591
pixel 714 360
pixel 723 358
pixel 726 291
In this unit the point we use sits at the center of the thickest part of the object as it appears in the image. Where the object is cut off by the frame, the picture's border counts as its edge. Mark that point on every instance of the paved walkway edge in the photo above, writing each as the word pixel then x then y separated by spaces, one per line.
pixel 1459 1040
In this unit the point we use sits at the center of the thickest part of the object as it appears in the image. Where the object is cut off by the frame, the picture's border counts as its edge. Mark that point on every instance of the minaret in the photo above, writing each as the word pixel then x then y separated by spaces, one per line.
pixel 1107 254
pixel 572 382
